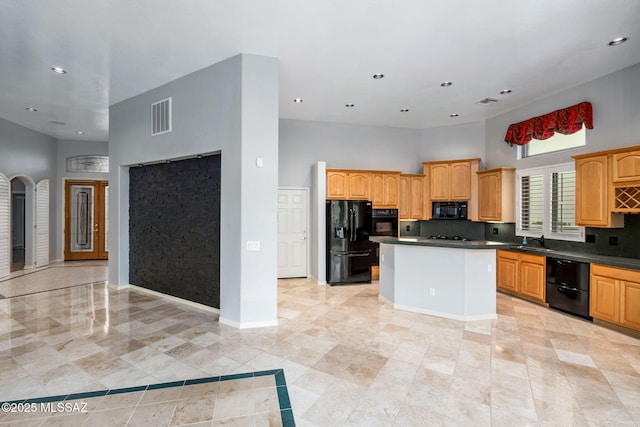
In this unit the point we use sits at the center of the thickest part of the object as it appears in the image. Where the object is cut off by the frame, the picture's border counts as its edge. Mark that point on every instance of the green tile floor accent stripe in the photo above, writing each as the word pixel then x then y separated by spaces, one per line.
pixel 281 387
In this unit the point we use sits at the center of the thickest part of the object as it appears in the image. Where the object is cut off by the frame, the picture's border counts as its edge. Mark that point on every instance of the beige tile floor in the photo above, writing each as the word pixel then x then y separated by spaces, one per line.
pixel 348 359
pixel 247 401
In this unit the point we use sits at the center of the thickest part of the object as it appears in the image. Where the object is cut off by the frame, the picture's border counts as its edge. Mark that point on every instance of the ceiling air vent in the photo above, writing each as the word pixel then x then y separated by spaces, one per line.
pixel 487 101
pixel 161 117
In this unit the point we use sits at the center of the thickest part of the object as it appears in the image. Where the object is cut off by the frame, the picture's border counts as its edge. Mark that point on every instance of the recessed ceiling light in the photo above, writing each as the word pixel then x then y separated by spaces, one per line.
pixel 297 100
pixel 445 84
pixel 57 122
pixel 33 110
pixel 378 76
pixel 619 40
pixel 79 132
pixel 59 70
pixel 349 105
pixel 505 91
pixel 404 110
pixel 454 115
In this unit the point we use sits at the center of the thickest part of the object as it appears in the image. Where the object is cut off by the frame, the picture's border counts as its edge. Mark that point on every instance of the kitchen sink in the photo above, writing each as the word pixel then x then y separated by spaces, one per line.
pixel 534 249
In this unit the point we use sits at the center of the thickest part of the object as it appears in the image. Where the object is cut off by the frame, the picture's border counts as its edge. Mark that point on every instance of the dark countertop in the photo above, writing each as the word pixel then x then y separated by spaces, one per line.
pixel 458 244
pixel 613 261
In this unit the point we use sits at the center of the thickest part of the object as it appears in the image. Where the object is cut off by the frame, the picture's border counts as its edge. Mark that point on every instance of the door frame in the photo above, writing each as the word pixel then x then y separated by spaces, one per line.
pixel 308 220
pixel 63 227
pixel 29 220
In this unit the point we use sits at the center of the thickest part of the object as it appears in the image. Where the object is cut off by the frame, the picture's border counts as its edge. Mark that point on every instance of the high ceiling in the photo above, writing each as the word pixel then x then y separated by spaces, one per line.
pixel 328 52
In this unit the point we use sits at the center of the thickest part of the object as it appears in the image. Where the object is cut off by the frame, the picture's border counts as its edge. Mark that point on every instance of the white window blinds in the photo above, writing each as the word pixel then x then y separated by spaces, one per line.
pixel 546 203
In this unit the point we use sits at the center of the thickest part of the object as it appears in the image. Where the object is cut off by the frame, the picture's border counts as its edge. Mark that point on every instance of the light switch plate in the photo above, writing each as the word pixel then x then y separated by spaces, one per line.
pixel 253 245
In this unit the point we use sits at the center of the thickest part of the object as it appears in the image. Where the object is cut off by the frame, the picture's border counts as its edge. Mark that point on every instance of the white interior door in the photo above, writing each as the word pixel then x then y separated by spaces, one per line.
pixel 5 226
pixel 42 223
pixel 292 232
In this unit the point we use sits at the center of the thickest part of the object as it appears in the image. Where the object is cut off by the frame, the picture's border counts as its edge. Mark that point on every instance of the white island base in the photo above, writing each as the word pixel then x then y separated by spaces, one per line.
pixel 453 283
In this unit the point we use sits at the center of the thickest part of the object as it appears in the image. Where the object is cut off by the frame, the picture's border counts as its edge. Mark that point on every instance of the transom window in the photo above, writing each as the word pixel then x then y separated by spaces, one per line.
pixel 557 142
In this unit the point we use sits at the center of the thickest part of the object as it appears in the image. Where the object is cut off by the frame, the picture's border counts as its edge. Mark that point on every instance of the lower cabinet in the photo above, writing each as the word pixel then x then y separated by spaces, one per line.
pixel 521 274
pixel 615 295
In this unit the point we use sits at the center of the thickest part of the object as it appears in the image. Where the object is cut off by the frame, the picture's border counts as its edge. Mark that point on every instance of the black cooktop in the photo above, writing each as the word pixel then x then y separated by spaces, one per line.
pixel 443 237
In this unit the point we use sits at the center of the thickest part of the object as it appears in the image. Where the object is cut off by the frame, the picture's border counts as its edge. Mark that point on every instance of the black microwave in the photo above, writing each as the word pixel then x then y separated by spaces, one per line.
pixel 449 210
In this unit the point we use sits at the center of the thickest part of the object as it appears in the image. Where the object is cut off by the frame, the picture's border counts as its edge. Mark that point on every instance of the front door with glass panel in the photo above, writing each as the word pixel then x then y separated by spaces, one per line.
pixel 86 220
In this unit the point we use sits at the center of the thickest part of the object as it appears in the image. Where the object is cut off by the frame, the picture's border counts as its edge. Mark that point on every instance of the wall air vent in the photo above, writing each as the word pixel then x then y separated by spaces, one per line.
pixel 161 117
pixel 487 101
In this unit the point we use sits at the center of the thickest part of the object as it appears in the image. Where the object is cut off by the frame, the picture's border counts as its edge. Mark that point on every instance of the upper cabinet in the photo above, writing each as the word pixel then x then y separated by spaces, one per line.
pixel 496 188
pixel 359 185
pixel 607 185
pixel 411 197
pixel 385 189
pixel 348 185
pixel 592 193
pixel 626 166
pixel 451 180
pixel 440 181
pixel 337 185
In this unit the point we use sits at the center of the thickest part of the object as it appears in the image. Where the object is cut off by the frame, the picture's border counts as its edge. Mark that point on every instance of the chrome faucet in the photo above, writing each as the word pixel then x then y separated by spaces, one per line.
pixel 540 240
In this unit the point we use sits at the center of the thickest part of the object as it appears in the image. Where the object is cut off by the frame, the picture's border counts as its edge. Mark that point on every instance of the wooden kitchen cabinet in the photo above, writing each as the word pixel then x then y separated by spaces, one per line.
pixel 626 166
pixel 349 185
pixel 604 298
pixel 460 180
pixel 411 204
pixel 417 207
pixel 385 189
pixel 452 180
pixel 533 276
pixel 615 295
pixel 507 271
pixel 440 181
pixel 337 185
pixel 359 185
pixel 630 304
pixel 521 274
pixel 592 193
pixel 496 192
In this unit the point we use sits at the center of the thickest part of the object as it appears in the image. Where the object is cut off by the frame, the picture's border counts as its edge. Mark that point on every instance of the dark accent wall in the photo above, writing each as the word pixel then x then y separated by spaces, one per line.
pixel 627 239
pixel 174 228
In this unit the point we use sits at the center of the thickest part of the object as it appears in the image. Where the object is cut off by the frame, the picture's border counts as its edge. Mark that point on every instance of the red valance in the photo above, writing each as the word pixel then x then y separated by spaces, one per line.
pixel 566 121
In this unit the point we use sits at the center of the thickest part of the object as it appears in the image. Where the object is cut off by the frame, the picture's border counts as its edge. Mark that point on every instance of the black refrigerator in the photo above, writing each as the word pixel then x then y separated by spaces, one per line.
pixel 349 251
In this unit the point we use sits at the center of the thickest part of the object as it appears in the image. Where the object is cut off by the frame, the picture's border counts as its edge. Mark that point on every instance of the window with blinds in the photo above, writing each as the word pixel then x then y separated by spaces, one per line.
pixel 546 203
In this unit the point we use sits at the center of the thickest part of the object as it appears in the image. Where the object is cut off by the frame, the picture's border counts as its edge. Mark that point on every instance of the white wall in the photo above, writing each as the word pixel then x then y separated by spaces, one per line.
pixel 304 143
pixel 29 153
pixel 230 107
pixel 463 141
pixel 65 149
pixel 616 119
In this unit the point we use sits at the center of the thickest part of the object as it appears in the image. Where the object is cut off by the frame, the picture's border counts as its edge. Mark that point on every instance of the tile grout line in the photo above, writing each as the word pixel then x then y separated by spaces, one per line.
pixel 284 402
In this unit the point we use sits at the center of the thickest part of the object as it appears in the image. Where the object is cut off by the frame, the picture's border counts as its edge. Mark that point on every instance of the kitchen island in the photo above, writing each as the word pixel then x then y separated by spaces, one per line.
pixel 452 279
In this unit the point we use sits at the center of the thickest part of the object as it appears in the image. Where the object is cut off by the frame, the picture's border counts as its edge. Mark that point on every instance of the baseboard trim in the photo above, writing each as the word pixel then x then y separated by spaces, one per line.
pixel 247 325
pixel 446 315
pixel 385 300
pixel 172 298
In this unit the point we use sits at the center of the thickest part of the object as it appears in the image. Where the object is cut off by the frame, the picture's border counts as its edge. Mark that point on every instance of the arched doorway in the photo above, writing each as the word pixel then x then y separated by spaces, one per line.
pixel 22 222
pixel 18 216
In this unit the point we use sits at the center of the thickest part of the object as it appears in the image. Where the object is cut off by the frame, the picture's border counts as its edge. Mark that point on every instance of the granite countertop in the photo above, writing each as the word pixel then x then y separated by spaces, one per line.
pixel 459 244
pixel 613 261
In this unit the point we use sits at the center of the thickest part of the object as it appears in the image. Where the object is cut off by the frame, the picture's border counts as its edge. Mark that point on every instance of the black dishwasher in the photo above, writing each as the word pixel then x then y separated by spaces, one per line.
pixel 568 286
